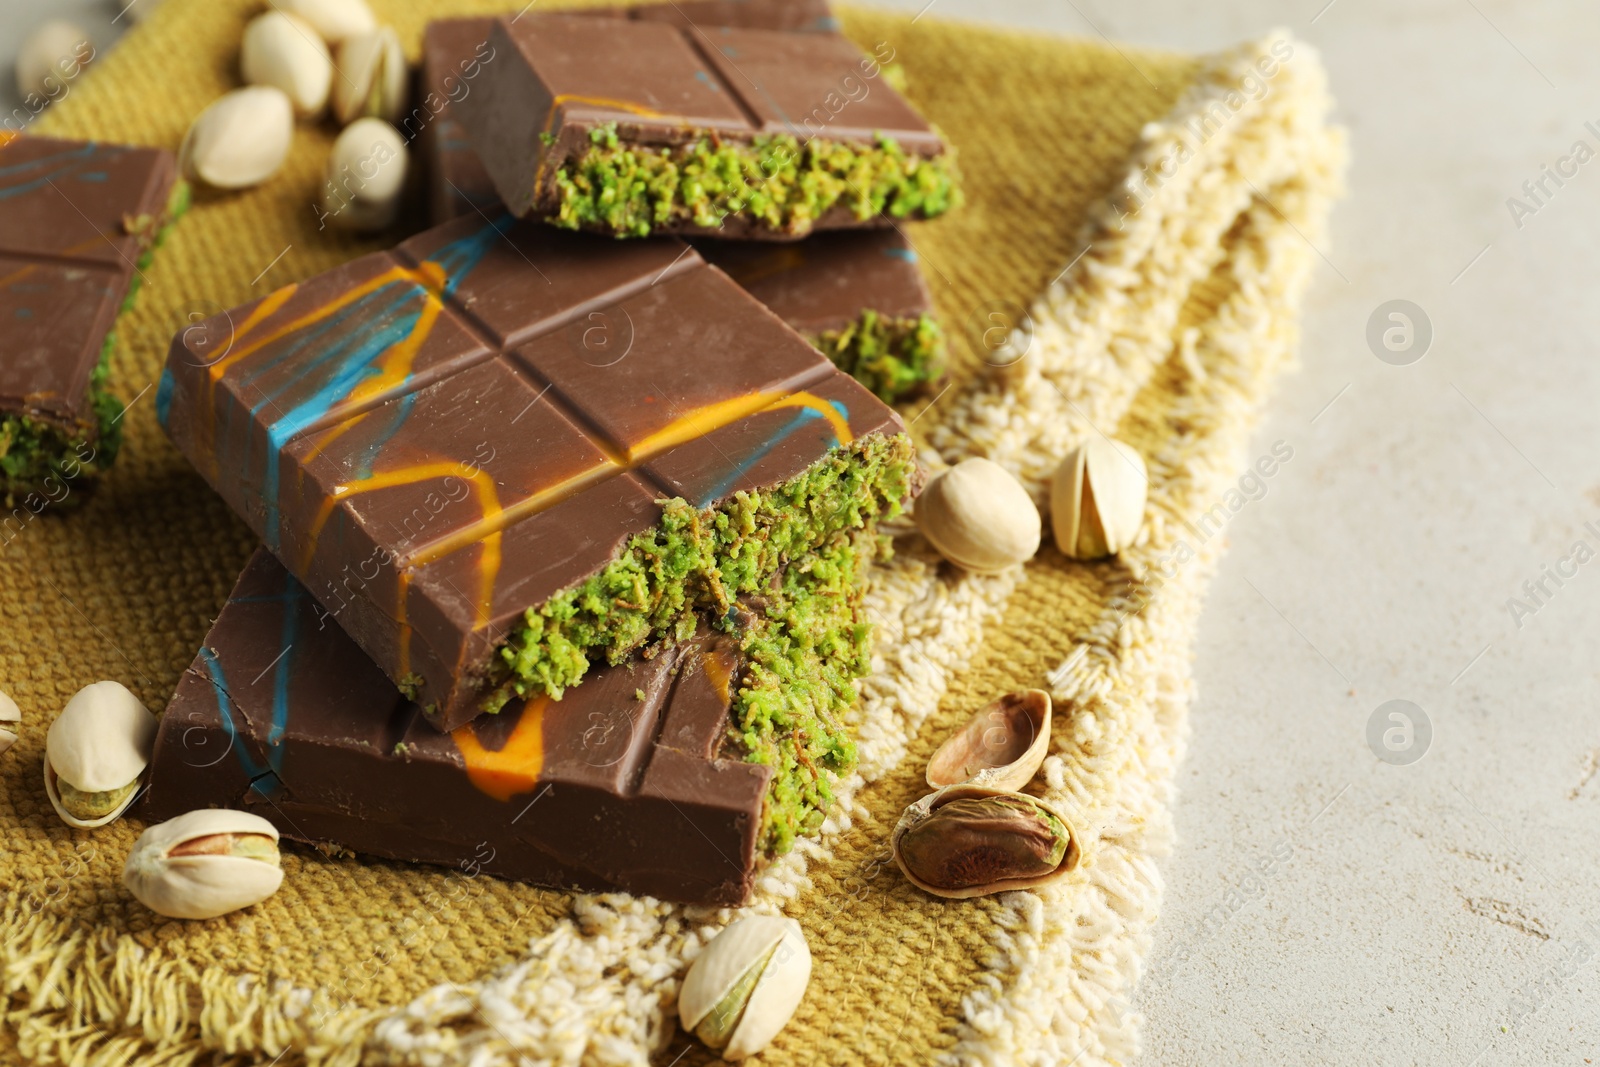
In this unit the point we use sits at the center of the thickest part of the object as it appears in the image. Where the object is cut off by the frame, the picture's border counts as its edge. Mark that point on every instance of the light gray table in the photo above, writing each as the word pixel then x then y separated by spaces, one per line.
pixel 1442 912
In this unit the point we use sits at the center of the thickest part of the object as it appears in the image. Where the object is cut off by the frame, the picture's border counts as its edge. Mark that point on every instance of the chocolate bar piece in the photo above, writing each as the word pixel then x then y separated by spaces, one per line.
pixel 455 50
pixel 632 127
pixel 857 295
pixel 78 221
pixel 621 785
pixel 501 452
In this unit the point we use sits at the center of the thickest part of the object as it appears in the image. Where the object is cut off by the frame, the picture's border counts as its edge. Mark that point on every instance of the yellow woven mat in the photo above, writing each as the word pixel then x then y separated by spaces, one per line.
pixel 1154 214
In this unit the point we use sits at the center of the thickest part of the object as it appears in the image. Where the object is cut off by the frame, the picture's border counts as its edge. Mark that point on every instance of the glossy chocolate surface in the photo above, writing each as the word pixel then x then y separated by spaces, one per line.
pixel 557 77
pixel 619 785
pixel 70 242
pixel 438 438
pixel 826 281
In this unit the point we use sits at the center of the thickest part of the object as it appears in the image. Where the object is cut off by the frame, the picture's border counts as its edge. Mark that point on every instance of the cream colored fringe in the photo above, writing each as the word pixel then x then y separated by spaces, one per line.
pixel 599 988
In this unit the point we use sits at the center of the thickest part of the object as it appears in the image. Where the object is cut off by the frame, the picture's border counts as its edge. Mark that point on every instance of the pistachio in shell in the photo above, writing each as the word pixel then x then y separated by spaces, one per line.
pixel 95 752
pixel 971 841
pixel 1000 747
pixel 745 985
pixel 9 718
pixel 204 864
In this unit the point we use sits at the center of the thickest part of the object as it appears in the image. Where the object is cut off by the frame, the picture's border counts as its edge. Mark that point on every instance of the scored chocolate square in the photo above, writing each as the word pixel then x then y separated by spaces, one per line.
pixel 439 439
pixel 631 127
pixel 621 785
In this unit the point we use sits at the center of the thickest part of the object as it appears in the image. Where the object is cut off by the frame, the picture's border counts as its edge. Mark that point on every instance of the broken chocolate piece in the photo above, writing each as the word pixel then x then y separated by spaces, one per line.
pixel 617 786
pixel 77 221
pixel 502 453
pixel 632 127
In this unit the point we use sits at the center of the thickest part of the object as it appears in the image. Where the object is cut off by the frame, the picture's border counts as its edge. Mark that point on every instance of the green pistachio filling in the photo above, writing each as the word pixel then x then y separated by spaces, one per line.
pixel 893 357
pixel 782 569
pixel 775 180
pixel 39 456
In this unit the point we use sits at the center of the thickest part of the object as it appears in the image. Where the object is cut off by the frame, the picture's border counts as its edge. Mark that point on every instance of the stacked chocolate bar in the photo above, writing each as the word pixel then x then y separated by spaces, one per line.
pixel 565 536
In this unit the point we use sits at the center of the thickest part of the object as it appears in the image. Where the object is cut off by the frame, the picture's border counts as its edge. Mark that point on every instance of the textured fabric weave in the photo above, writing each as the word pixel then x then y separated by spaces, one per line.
pixel 1156 216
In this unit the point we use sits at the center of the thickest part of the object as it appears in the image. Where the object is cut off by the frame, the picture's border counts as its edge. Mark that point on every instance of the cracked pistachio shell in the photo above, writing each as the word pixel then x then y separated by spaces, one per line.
pixel 204 864
pixel 1000 747
pixel 285 52
pixel 95 752
pixel 745 985
pixel 1097 499
pixel 970 841
pixel 334 20
pixel 978 516
pixel 240 140
pixel 8 714
pixel 370 77
pixel 366 176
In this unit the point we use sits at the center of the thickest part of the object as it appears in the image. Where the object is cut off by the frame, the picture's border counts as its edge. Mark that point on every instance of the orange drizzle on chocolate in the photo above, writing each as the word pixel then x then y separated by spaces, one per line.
pixel 514 767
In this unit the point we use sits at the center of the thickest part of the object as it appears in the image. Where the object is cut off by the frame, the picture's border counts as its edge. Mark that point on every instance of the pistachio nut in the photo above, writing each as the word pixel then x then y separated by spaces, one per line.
pixel 334 20
pixel 366 176
pixel 95 752
pixel 51 56
pixel 970 841
pixel 285 52
pixel 1097 499
pixel 8 715
pixel 978 516
pixel 204 864
pixel 240 140
pixel 745 985
pixel 1000 747
pixel 371 79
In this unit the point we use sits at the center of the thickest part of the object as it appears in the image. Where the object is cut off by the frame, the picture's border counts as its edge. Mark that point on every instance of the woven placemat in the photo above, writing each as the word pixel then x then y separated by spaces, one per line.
pixel 1146 220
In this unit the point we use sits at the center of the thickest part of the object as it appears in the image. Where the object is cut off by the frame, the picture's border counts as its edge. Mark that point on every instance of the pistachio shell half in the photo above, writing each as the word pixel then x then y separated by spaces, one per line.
pixel 745 985
pixel 1097 499
pixel 95 752
pixel 970 841
pixel 204 864
pixel 1000 747
pixel 978 516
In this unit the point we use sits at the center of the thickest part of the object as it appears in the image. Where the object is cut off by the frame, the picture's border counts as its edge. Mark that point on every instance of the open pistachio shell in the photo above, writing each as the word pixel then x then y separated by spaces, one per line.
pixel 1097 499
pixel 370 77
pixel 1000 747
pixel 745 985
pixel 95 752
pixel 995 842
pixel 204 864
